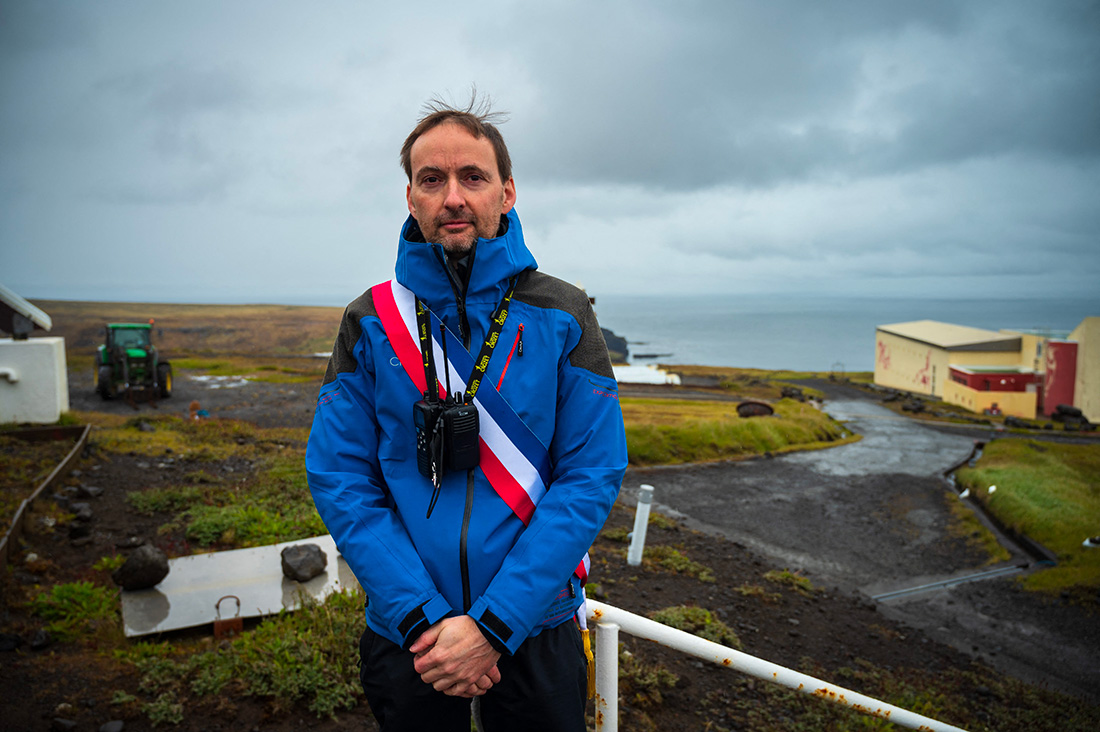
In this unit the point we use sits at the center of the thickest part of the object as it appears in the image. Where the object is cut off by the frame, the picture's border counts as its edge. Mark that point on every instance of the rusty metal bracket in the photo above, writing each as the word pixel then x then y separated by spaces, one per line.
pixel 227 626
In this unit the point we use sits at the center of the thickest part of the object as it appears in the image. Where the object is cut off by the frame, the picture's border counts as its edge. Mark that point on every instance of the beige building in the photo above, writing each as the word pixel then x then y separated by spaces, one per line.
pixel 915 356
pixel 982 370
pixel 1086 392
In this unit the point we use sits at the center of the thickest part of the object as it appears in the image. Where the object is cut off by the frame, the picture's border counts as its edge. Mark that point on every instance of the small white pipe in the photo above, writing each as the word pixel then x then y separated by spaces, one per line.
pixel 9 374
pixel 641 521
pixel 641 627
pixel 607 677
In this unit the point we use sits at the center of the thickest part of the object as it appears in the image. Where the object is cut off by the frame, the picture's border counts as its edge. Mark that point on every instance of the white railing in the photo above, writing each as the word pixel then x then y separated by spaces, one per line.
pixel 609 620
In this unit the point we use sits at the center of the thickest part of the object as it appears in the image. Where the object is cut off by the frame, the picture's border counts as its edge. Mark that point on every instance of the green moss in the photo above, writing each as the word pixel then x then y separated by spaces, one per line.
pixel 667 558
pixel 794 580
pixel 697 621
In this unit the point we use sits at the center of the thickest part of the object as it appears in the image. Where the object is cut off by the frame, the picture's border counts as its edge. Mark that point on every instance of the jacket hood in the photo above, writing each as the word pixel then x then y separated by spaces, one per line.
pixel 421 266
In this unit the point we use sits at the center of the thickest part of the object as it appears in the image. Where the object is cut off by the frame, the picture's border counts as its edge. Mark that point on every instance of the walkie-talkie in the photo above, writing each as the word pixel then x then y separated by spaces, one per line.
pixel 461 424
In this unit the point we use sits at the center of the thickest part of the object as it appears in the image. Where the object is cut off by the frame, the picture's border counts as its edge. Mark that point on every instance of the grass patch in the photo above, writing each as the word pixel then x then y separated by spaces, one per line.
pixel 759 592
pixel 76 609
pixel 269 504
pixel 160 500
pixel 274 506
pixel 1051 493
pixel 642 683
pixel 280 371
pixel 307 656
pixel 661 521
pixel 159 435
pixel 794 580
pixel 697 621
pixel 619 535
pixel 660 431
pixel 669 559
pixel 965 525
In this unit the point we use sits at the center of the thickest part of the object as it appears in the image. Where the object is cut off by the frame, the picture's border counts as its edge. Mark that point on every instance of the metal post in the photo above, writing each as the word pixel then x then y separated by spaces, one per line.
pixel 607 677
pixel 641 521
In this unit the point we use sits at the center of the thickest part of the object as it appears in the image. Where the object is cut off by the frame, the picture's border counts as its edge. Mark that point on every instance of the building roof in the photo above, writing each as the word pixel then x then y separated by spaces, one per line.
pixel 19 317
pixel 952 337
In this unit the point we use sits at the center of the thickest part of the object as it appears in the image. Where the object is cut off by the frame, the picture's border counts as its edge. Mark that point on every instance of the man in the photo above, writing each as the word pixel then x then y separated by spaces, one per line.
pixel 473 575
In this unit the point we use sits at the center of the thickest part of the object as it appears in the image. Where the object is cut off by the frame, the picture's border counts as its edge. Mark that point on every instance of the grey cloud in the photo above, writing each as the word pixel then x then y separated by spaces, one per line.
pixel 760 94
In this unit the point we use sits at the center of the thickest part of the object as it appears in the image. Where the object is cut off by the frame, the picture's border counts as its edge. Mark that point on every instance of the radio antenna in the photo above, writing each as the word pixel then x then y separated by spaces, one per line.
pixel 446 363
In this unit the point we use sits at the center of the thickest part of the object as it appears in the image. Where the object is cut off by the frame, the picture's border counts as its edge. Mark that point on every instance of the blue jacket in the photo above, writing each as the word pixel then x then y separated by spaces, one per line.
pixel 473 555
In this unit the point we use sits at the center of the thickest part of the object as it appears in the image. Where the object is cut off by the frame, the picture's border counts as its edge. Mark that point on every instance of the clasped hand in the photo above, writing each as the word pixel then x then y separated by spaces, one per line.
pixel 454 657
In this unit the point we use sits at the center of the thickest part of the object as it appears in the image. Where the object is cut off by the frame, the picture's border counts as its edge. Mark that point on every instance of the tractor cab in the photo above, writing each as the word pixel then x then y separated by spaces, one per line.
pixel 128 363
pixel 129 336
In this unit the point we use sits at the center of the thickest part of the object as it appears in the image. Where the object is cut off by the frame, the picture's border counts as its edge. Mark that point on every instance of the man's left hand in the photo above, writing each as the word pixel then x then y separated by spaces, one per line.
pixel 454 657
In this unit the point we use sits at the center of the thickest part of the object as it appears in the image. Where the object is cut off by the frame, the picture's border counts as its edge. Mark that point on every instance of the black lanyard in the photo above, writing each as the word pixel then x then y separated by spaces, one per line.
pixel 423 325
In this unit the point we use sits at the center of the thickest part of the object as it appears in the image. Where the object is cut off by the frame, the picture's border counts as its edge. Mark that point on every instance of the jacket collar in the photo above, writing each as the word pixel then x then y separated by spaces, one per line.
pixel 421 266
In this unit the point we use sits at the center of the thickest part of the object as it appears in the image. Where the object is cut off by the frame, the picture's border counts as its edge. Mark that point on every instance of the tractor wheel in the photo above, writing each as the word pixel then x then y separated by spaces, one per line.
pixel 164 380
pixel 103 382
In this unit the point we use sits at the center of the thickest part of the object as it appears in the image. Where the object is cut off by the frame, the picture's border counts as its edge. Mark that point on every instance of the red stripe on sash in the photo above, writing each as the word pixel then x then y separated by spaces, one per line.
pixel 505 485
pixel 407 350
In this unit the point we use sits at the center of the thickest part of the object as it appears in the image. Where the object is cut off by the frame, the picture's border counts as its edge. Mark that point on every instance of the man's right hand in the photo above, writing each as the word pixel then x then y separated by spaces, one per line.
pixel 454 657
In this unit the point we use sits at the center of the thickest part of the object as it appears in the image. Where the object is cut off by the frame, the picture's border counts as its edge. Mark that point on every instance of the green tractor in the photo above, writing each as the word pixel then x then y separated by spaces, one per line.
pixel 127 363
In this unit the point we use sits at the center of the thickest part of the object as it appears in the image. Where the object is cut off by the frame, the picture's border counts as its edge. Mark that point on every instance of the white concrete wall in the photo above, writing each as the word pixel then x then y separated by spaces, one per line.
pixel 34 386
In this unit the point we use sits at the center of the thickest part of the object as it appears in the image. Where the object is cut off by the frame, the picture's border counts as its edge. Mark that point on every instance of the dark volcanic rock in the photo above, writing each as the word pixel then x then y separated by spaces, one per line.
pixel 9 641
pixel 89 491
pixel 82 510
pixel 303 562
pixel 41 639
pixel 144 568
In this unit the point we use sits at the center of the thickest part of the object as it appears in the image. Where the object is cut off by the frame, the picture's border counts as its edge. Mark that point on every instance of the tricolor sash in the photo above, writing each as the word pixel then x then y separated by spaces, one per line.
pixel 512 457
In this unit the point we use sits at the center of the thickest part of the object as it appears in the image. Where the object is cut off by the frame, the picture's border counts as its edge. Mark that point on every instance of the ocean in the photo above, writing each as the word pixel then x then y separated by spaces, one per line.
pixel 806 333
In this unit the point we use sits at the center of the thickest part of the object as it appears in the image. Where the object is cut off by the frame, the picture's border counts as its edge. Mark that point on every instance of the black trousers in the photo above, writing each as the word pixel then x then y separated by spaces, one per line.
pixel 543 686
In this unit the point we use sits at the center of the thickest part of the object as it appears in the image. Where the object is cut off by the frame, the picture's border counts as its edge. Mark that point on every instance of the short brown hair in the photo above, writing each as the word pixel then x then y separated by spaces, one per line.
pixel 477 119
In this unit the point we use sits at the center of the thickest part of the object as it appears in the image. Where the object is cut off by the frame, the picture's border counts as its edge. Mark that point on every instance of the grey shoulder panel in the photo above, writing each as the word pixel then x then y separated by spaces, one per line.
pixel 342 360
pixel 544 291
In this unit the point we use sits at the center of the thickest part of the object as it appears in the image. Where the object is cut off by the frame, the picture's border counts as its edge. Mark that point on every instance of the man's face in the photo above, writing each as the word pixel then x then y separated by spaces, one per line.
pixel 456 194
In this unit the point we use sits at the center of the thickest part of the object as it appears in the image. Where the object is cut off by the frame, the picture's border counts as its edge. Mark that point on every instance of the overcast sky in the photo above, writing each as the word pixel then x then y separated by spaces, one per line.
pixel 247 151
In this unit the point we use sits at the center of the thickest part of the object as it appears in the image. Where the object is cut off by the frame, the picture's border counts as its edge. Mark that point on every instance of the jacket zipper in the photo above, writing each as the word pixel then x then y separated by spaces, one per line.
pixel 517 349
pixel 462 560
pixel 464 331
pixel 456 289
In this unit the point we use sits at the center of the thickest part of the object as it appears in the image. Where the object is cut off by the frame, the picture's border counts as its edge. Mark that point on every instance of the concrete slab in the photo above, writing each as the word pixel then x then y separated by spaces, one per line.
pixel 186 598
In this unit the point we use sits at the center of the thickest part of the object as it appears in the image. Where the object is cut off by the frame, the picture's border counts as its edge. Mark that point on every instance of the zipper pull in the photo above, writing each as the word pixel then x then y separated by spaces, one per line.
pixel 519 341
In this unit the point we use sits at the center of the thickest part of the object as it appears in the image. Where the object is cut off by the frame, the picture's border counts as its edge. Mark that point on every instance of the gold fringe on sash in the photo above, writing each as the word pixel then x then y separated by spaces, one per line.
pixel 591 663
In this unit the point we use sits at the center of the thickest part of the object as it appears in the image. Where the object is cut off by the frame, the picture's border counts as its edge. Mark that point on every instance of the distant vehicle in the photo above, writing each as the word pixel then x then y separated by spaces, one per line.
pixel 128 363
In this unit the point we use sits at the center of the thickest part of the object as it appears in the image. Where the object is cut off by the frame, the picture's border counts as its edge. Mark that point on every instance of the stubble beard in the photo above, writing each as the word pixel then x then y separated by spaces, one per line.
pixel 457 246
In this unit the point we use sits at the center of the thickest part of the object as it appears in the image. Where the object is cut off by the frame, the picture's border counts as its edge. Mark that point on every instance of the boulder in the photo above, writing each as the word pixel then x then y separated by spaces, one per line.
pixel 792 392
pixel 754 408
pixel 303 562
pixel 144 568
